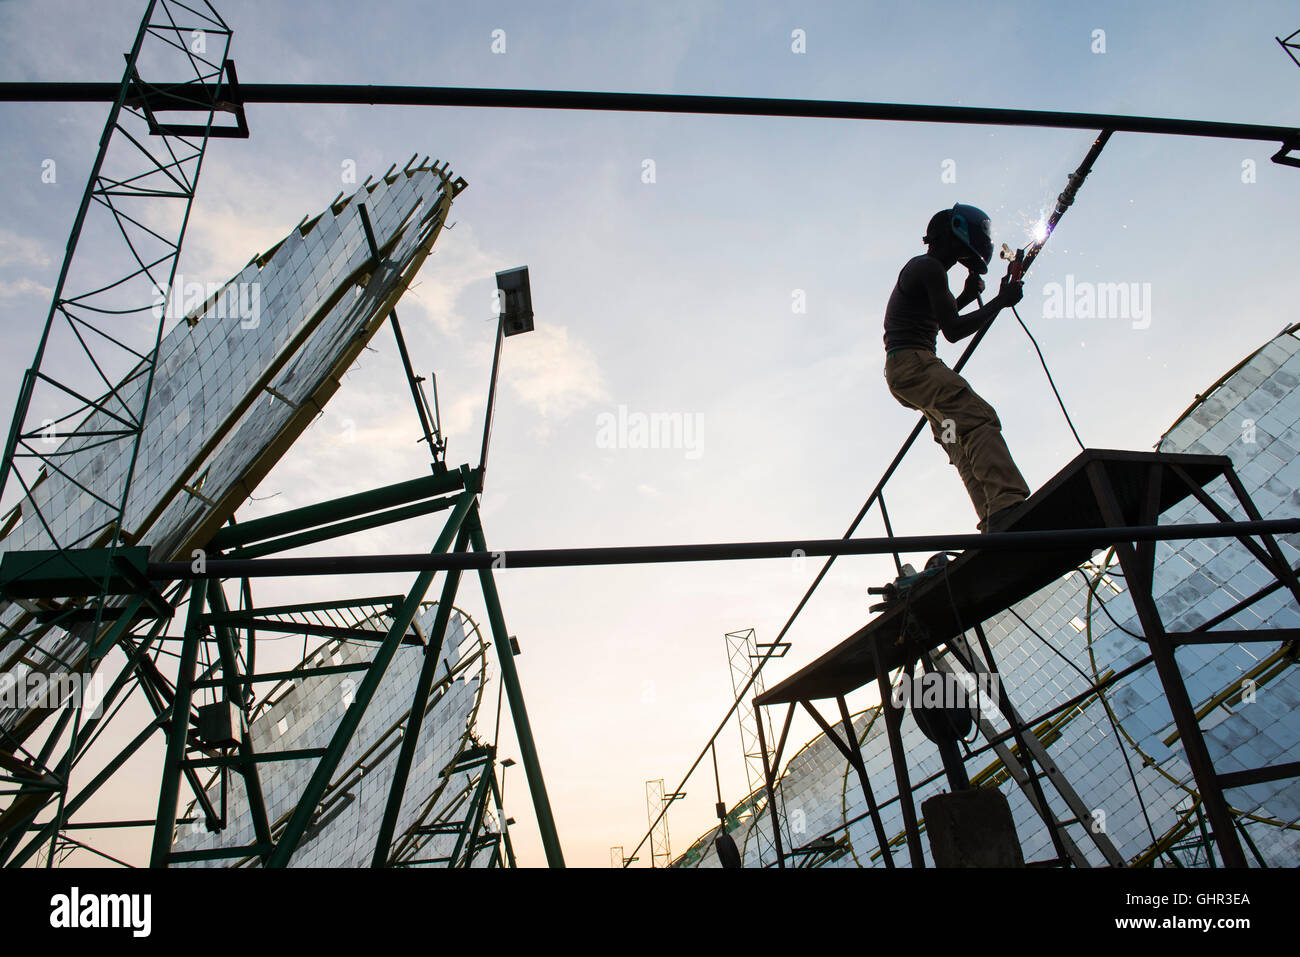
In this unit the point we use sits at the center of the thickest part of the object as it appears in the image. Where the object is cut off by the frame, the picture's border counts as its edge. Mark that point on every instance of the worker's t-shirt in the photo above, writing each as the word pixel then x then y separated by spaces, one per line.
pixel 909 321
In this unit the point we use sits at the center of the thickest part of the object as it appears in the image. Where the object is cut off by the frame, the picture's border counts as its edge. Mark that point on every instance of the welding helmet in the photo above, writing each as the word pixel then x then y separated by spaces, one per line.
pixel 971 228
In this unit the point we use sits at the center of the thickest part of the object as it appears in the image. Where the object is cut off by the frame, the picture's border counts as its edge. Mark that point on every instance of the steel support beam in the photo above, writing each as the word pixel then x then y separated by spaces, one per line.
pixel 473 815
pixel 179 729
pixel 48 832
pixel 769 777
pixel 234 688
pixel 1018 731
pixel 415 719
pixel 893 724
pixel 324 771
pixel 336 510
pixel 852 752
pixel 340 529
pixel 411 378
pixel 135 655
pixel 515 695
pixel 1138 575
pixel 24 809
pixel 874 809
pixel 1046 540
pixel 360 94
pixel 1280 567
pixel 1040 753
pixel 501 813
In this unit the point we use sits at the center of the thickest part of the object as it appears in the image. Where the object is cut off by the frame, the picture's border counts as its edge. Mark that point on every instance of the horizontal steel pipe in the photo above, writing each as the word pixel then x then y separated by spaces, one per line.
pixel 1046 540
pixel 360 94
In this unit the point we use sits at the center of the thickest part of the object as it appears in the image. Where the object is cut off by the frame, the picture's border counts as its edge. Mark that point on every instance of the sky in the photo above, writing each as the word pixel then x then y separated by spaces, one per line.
pixel 731 271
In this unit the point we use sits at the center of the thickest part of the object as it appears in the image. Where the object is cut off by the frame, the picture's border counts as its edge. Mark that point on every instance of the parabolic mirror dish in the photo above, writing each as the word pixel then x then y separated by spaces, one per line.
pixel 237 380
pixel 305 714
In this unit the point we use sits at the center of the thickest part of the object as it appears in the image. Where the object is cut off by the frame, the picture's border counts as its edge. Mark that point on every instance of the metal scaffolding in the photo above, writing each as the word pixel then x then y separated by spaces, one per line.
pixel 1114 489
pixel 656 802
pixel 226 637
pixel 83 402
pixel 91 606
pixel 743 649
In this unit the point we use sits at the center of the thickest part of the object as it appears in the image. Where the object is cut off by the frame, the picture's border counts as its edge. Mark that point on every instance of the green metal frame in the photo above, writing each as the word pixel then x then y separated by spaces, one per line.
pixel 466 820
pixel 424 684
pixel 329 762
pixel 97 586
pixel 143 168
pixel 518 711
pixel 212 631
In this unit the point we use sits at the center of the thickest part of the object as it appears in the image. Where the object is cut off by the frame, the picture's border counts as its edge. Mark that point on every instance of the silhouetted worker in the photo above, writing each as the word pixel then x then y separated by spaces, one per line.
pixel 919 307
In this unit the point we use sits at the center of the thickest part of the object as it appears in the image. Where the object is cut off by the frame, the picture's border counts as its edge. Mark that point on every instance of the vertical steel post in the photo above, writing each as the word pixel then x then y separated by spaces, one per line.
pixel 415 719
pixel 234 690
pixel 492 395
pixel 515 695
pixel 329 762
pixel 768 777
pixel 860 766
pixel 1162 653
pixel 473 814
pixel 893 722
pixel 179 730
pixel 501 811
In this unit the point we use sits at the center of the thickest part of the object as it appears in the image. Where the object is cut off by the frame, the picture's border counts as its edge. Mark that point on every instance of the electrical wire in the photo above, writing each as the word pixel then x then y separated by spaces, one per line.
pixel 1075 181
pixel 1092 587
pixel 1128 763
pixel 1050 381
pixel 1149 761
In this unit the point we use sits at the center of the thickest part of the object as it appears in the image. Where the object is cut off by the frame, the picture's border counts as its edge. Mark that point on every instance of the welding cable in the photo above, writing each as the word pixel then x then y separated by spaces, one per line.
pixel 1049 377
pixel 1092 588
pixel 1064 201
pixel 1110 717
pixel 1147 760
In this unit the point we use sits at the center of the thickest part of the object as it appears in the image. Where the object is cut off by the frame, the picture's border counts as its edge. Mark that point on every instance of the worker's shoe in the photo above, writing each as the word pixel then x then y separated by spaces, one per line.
pixel 1003 517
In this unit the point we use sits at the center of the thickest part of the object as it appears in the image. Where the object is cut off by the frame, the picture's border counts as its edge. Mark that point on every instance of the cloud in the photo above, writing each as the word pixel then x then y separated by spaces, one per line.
pixel 227 235
pixel 20 249
pixel 457 261
pixel 24 287
pixel 462 415
pixel 553 373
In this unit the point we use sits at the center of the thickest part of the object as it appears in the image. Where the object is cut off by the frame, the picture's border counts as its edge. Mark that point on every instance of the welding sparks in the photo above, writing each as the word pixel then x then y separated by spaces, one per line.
pixel 1036 228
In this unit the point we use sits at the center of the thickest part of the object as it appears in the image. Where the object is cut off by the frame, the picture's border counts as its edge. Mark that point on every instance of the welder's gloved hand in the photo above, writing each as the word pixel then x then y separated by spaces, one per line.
pixel 1010 292
pixel 974 286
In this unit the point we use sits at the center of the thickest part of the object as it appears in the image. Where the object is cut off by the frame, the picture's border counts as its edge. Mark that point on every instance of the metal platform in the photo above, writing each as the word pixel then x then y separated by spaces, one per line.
pixel 978 585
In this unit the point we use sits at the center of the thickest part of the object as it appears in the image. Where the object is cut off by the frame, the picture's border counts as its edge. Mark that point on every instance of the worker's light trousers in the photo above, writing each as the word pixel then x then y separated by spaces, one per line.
pixel 963 424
